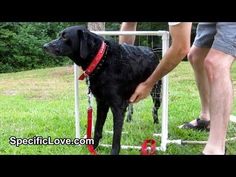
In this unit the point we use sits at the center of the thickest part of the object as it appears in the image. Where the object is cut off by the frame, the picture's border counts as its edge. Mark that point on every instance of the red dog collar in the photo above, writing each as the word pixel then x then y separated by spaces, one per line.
pixel 95 61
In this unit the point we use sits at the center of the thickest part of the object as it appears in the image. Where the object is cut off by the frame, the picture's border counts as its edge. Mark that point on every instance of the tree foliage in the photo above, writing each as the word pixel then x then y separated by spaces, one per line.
pixel 21 43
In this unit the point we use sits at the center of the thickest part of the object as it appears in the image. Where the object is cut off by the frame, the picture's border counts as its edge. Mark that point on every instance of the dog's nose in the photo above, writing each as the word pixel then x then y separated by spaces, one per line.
pixel 45 46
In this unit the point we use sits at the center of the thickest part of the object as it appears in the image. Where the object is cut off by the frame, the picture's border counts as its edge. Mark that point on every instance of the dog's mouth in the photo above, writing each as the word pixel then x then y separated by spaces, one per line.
pixel 51 51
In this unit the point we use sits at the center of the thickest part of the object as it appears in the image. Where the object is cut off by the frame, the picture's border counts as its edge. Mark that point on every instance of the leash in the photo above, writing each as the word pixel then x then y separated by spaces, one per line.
pixel 145 149
pixel 90 120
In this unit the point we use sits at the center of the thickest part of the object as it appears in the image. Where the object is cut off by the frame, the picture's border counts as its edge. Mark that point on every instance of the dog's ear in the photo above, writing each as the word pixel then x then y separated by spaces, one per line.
pixel 83 41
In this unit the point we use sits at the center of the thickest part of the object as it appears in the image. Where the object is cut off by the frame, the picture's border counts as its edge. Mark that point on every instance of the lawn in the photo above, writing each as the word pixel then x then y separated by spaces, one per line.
pixel 41 103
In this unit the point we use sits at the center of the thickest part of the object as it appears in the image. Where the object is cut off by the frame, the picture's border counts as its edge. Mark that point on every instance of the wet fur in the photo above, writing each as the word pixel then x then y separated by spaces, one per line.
pixel 112 84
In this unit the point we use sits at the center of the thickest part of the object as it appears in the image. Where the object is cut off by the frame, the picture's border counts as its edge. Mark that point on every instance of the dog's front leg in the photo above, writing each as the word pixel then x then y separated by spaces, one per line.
pixel 118 120
pixel 102 109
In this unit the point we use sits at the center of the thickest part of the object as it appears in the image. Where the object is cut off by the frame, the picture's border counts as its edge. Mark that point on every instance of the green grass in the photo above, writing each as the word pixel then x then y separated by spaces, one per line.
pixel 41 103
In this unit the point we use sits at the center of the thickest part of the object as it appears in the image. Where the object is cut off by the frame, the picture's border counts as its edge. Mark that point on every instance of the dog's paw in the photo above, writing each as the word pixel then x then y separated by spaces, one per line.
pixel 96 143
pixel 115 150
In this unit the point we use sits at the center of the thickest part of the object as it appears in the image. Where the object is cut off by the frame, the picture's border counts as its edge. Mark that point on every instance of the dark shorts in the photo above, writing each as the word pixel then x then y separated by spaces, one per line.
pixel 220 36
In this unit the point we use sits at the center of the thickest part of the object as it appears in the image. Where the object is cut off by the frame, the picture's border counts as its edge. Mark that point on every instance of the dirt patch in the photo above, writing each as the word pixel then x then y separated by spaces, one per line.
pixel 9 92
pixel 63 72
pixel 40 85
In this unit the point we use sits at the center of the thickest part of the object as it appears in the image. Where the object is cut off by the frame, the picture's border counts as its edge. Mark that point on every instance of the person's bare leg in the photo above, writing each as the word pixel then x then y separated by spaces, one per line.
pixel 127 26
pixel 196 57
pixel 217 65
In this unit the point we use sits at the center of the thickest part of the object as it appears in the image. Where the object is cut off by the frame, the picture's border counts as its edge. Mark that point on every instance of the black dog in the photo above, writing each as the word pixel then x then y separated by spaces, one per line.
pixel 113 79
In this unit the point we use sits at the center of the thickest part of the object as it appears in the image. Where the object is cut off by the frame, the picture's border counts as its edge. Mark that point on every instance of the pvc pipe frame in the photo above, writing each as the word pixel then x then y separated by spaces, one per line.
pixel 164 126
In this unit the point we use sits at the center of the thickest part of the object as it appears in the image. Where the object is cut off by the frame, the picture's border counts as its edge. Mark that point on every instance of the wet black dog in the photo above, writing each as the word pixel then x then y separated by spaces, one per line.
pixel 115 77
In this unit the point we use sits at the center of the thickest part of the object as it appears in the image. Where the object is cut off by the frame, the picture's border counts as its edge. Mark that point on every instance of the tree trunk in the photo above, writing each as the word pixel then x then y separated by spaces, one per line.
pixel 96 26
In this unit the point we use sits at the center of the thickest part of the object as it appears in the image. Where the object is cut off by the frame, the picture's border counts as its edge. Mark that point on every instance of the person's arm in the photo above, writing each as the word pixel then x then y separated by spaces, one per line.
pixel 179 48
pixel 127 26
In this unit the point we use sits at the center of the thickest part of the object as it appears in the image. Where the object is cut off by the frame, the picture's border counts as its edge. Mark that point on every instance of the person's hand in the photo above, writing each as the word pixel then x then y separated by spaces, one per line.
pixel 141 92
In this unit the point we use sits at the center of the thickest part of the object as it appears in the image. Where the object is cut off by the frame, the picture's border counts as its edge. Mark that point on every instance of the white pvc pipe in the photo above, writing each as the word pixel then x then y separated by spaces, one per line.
pixel 157 134
pixel 165 46
pixel 180 142
pixel 231 139
pixel 126 33
pixel 76 89
pixel 111 132
pixel 164 127
pixel 128 147
pixel 232 118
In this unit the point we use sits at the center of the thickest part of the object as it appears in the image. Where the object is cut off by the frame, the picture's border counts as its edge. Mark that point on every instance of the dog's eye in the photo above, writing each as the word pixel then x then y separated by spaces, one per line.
pixel 63 36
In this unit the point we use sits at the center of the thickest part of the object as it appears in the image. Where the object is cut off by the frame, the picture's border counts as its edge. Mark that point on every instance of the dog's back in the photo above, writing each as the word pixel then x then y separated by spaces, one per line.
pixel 143 58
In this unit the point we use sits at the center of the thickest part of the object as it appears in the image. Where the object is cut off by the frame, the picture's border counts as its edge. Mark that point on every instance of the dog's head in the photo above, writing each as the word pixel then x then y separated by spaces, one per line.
pixel 76 42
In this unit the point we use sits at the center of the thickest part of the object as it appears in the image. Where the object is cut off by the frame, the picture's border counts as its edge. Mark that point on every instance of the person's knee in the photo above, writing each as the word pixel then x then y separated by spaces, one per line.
pixel 191 57
pixel 213 68
pixel 194 58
